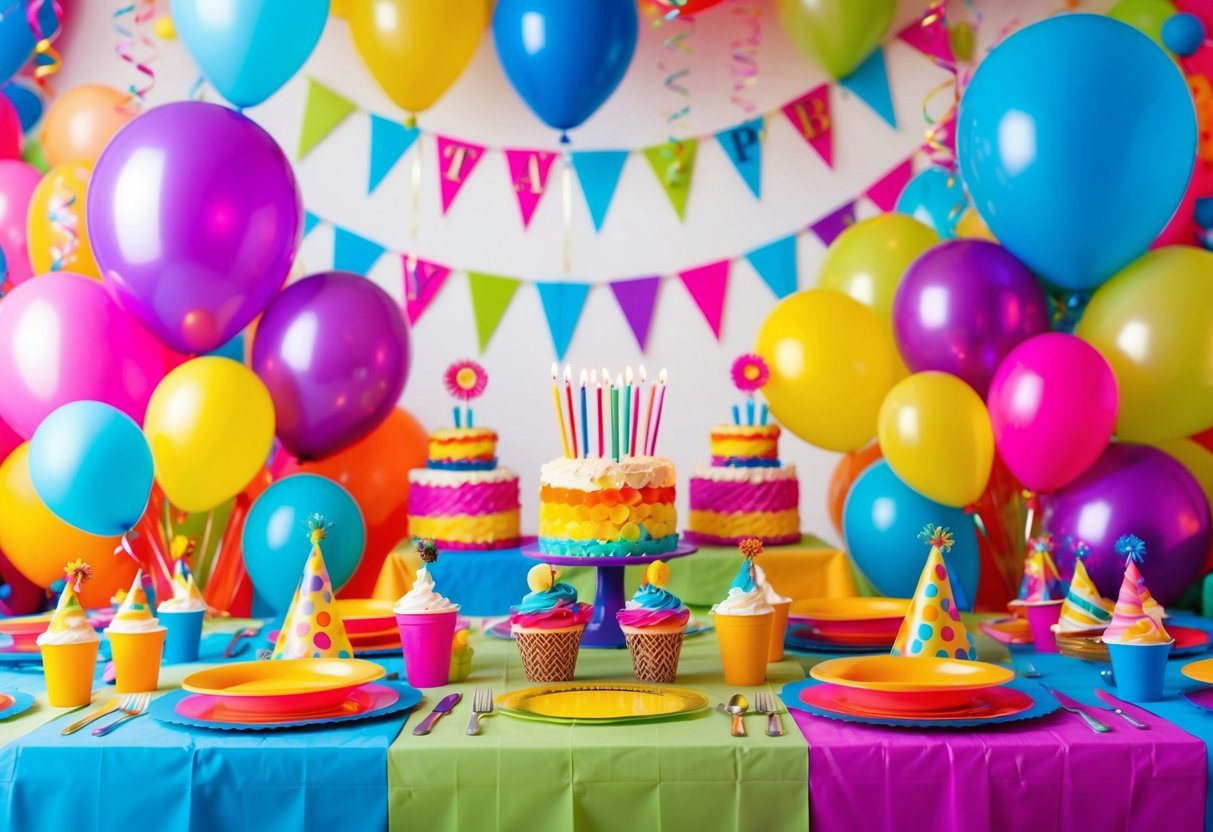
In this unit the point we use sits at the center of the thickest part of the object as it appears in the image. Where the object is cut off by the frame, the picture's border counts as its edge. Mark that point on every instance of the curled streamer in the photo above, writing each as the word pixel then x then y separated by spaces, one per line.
pixel 939 141
pixel 743 54
pixel 675 43
pixel 140 14
pixel 46 58
pixel 63 225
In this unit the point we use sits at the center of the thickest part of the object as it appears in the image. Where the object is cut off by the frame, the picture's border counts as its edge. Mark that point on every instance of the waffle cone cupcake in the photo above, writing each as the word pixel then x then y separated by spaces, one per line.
pixel 653 623
pixel 549 655
pixel 547 627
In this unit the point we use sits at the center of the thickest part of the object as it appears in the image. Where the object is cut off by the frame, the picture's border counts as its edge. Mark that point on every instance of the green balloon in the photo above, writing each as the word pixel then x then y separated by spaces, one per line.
pixel 838 34
pixel 1146 16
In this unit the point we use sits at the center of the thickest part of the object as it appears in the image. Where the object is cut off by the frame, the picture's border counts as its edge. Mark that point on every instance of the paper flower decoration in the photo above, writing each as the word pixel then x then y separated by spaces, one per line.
pixel 465 380
pixel 1131 547
pixel 937 536
pixel 77 573
pixel 751 547
pixel 750 372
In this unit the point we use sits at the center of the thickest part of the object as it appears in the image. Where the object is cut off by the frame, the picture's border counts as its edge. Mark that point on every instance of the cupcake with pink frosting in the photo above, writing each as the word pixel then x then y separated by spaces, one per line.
pixel 547 626
pixel 653 623
pixel 1138 643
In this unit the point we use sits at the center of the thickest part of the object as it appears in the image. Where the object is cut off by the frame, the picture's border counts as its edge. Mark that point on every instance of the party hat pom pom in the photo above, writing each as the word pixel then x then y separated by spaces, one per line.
pixel 1043 543
pixel 318 527
pixel 181 546
pixel 939 536
pixel 750 372
pixel 658 574
pixel 1081 550
pixel 751 547
pixel 541 577
pixel 78 572
pixel 427 550
pixel 1131 547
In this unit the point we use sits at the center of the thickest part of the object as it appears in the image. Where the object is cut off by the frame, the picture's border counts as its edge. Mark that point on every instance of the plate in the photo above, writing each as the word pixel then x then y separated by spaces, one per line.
pixel 363 616
pixel 809 632
pixel 1088 646
pixel 14 702
pixel 810 645
pixel 1200 697
pixel 1013 630
pixel 1201 671
pixel 601 702
pixel 201 711
pixel 500 628
pixel 905 683
pixel 24 632
pixel 283 686
pixel 857 617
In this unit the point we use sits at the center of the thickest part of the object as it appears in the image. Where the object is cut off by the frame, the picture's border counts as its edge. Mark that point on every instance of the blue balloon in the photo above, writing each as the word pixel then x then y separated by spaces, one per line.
pixel 1076 139
pixel 26 102
pixel 91 465
pixel 17 40
pixel 248 49
pixel 881 520
pixel 233 349
pixel 1183 33
pixel 565 58
pixel 275 538
pixel 936 198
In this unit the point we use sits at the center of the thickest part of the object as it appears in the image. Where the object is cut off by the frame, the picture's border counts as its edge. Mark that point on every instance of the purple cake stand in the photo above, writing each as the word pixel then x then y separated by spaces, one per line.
pixel 603 629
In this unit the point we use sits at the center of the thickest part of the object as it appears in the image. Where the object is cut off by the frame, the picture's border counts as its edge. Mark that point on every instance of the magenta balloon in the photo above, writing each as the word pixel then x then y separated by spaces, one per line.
pixel 63 339
pixel 962 306
pixel 9 440
pixel 1052 404
pixel 1133 489
pixel 194 219
pixel 333 350
pixel 17 183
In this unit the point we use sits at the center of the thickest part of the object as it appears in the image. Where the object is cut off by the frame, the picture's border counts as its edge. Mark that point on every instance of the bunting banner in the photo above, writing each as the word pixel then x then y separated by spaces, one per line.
pixel 310 221
pixel 491 296
pixel 456 161
pixel 422 280
pixel 930 35
pixel 870 83
pixel 352 253
pixel 598 172
pixel 529 171
pixel 674 165
pixel 810 115
pixel 637 299
pixel 706 286
pixel 776 265
pixel 834 223
pixel 884 191
pixel 562 305
pixel 390 140
pixel 743 145
pixel 324 110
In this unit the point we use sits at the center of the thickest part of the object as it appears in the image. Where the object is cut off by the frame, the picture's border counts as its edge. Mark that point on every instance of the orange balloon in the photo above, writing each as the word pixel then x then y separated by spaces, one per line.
pixel 848 469
pixel 81 122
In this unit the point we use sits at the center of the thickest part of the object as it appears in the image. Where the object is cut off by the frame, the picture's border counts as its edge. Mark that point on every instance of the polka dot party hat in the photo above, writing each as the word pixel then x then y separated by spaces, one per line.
pixel 312 628
pixel 932 627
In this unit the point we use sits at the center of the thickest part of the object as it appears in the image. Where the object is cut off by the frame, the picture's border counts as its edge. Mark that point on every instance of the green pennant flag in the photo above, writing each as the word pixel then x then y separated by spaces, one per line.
pixel 491 296
pixel 324 110
pixel 674 164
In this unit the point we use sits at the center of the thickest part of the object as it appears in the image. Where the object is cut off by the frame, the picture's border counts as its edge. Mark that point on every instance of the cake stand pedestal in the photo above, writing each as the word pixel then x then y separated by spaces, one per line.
pixel 603 629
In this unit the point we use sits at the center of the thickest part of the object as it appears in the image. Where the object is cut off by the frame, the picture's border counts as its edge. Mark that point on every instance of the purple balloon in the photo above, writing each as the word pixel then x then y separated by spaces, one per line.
pixel 333 349
pixel 962 306
pixel 1133 489
pixel 194 218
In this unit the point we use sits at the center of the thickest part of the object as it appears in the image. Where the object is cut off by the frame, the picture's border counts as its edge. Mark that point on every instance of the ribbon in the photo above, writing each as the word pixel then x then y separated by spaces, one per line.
pixel 46 58
pixel 141 13
pixel 124 545
pixel 677 42
pixel 63 222
pixel 743 54
pixel 566 189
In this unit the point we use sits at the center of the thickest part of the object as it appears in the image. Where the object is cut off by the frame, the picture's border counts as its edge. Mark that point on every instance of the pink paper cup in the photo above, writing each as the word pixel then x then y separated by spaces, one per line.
pixel 1041 618
pixel 426 639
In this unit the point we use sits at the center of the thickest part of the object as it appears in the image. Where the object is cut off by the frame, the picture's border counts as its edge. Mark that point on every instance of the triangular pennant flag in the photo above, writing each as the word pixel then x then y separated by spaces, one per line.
pixel 310 221
pixel 776 265
pixel 562 305
pixel 810 115
pixel 929 35
pixel 674 164
pixel 884 191
pixel 529 171
pixel 491 296
pixel 743 145
pixel 422 280
pixel 456 161
pixel 598 172
pixel 324 110
pixel 870 81
pixel 352 253
pixel 834 223
pixel 389 141
pixel 707 285
pixel 637 299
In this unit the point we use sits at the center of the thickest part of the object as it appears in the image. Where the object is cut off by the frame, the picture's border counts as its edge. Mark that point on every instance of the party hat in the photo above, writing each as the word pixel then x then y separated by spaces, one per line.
pixel 1138 617
pixel 188 593
pixel 1084 608
pixel 312 628
pixel 134 606
pixel 180 548
pixel 1041 580
pixel 932 627
pixel 69 615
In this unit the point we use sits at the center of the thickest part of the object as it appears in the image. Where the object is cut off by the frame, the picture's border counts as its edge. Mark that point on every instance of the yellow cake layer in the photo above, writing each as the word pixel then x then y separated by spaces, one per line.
pixel 598 522
pixel 745 441
pixel 463 443
pixel 756 523
pixel 467 528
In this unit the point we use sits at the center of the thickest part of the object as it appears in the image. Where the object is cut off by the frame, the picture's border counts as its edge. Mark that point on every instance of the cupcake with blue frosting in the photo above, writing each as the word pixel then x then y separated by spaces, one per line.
pixel 653 623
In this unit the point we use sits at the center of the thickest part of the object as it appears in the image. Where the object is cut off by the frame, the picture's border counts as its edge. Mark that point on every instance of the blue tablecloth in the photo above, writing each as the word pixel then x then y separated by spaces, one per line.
pixel 483 582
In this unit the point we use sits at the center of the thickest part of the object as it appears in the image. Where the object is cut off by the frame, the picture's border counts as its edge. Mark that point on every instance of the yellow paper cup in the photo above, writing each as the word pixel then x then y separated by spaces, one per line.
pixel 136 660
pixel 779 630
pixel 69 673
pixel 745 641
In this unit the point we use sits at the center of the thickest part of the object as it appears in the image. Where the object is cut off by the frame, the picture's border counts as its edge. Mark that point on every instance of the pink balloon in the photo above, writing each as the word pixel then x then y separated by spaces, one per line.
pixel 17 183
pixel 8 440
pixel 10 130
pixel 63 339
pixel 1053 403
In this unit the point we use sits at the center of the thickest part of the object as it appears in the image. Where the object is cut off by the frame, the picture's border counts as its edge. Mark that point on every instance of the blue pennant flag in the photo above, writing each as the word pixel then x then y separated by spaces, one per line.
pixel 310 221
pixel 389 141
pixel 598 172
pixel 562 305
pixel 352 253
pixel 871 83
pixel 776 265
pixel 743 145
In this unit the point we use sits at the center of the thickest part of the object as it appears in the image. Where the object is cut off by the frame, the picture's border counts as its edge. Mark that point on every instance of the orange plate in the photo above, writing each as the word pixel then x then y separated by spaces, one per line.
pixel 363 616
pixel 25 631
pixel 900 683
pixel 983 704
pixel 286 685
pixel 1013 630
pixel 358 701
pixel 854 617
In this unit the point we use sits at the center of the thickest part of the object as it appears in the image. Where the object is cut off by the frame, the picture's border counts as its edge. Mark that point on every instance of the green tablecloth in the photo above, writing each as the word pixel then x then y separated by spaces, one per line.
pixel 678 774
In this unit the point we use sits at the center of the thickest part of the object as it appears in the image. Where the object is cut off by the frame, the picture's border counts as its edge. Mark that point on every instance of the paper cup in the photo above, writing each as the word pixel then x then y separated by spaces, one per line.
pixel 548 655
pixel 136 660
pixel 183 634
pixel 1041 618
pixel 745 641
pixel 1139 670
pixel 426 639
pixel 779 631
pixel 69 672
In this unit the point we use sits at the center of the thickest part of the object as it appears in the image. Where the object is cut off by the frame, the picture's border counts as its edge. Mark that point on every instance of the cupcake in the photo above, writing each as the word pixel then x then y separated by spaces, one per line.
pixel 547 626
pixel 653 623
pixel 1083 609
pixel 743 625
pixel 426 621
pixel 1138 643
pixel 69 645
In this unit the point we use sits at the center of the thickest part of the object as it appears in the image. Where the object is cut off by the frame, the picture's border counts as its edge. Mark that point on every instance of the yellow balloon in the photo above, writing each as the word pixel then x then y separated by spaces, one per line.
pixel 831 365
pixel 416 48
pixel 935 432
pixel 210 424
pixel 55 227
pixel 1197 459
pixel 972 226
pixel 1153 322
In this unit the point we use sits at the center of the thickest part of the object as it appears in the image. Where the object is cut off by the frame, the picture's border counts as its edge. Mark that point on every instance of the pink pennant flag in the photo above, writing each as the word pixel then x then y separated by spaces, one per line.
pixel 886 189
pixel 456 160
pixel 529 171
pixel 707 285
pixel 929 35
pixel 422 280
pixel 810 115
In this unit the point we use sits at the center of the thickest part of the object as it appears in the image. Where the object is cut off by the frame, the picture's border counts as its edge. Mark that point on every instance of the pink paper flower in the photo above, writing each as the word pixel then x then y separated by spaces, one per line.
pixel 750 373
pixel 465 380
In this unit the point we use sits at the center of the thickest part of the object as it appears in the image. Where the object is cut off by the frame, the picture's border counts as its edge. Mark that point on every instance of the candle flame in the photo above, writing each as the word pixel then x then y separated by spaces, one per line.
pixel 663 377
pixel 583 377
pixel 618 380
pixel 628 376
pixel 568 374
pixel 606 378
pixel 555 371
pixel 643 375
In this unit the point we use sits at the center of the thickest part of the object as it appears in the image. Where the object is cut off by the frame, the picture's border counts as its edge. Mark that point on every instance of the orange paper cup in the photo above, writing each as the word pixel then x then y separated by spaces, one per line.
pixel 779 630
pixel 136 660
pixel 745 641
pixel 69 673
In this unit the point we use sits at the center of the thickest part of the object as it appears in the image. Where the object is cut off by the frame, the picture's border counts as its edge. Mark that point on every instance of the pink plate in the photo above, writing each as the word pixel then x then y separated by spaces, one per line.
pixel 801 629
pixel 288 704
pixel 981 704
pixel 24 633
pixel 1014 630
pixel 360 700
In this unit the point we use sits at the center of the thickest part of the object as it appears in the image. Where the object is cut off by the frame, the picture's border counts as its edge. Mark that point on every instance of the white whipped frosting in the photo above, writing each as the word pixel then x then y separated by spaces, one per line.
pixel 150 624
pixel 441 478
pixel 80 633
pixel 768 591
pixel 596 473
pixel 181 604
pixel 739 602
pixel 721 473
pixel 423 598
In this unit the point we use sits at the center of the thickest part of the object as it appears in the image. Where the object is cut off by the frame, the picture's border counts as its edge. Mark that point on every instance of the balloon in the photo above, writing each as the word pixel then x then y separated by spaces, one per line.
pixel 1060 184
pixel 1053 405
pixel 936 198
pixel 1183 33
pixel 565 59
pixel 333 350
pixel 18 38
pixel 685 8
pixel 27 103
pixel 218 231
pixel 9 440
pixel 90 464
pixel 10 130
pixel 1146 16
pixel 1198 462
pixel 1152 322
pixel 971 225
pixel 39 544
pixel 19 595
pixel 962 306
pixel 1133 489
pixel 210 424
pixel 838 34
pixel 275 535
pixel 248 49
pixel 881 519
pixel 831 365
pixel 848 469
pixel 56 233
pixel 62 339
pixel 81 121
pixel 17 183
pixel 417 48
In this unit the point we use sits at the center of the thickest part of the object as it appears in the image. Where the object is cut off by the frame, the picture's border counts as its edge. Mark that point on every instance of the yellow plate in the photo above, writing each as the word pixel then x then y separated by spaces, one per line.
pixel 851 609
pixel 356 608
pixel 284 677
pixel 1201 671
pixel 600 702
pixel 910 675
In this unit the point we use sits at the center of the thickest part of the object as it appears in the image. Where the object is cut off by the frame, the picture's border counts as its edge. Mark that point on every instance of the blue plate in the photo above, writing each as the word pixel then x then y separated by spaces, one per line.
pixel 22 702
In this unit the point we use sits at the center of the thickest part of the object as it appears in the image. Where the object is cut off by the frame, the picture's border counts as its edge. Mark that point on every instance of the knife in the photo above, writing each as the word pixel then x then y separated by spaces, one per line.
pixel 108 708
pixel 1072 705
pixel 444 707
pixel 1115 708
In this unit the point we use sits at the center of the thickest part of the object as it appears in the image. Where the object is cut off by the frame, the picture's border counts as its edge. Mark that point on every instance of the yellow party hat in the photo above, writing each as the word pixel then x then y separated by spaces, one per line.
pixel 932 627
pixel 69 615
pixel 312 628
pixel 134 606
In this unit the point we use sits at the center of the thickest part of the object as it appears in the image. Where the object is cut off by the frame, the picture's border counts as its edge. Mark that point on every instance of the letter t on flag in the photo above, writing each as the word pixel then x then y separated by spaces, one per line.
pixel 456 160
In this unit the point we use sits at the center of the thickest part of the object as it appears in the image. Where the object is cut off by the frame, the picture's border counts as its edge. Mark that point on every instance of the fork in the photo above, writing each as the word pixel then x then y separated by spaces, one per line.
pixel 238 644
pixel 133 706
pixel 482 705
pixel 764 703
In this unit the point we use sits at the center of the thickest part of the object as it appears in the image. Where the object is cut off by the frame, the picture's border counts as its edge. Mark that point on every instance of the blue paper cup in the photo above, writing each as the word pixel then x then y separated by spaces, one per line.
pixel 183 636
pixel 1139 670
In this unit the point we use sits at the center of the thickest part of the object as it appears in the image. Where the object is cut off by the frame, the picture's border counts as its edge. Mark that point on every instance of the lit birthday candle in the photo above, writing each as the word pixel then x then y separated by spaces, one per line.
pixel 568 395
pixel 626 431
pixel 585 422
pixel 564 439
pixel 598 397
pixel 648 418
pixel 615 419
pixel 662 380
pixel 636 413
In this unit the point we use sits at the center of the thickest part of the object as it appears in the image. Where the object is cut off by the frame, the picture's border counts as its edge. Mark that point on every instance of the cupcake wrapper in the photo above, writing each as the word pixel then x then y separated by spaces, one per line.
pixel 654 655
pixel 549 655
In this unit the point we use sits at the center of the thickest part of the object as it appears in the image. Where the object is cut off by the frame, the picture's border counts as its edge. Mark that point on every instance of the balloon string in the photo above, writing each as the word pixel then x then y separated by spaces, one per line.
pixel 141 12
pixel 206 557
pixel 566 186
pixel 63 226
pixel 124 545
pixel 46 58
pixel 744 55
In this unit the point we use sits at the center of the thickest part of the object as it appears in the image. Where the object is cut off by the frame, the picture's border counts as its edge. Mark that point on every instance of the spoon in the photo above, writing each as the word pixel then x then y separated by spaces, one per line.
pixel 737 707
